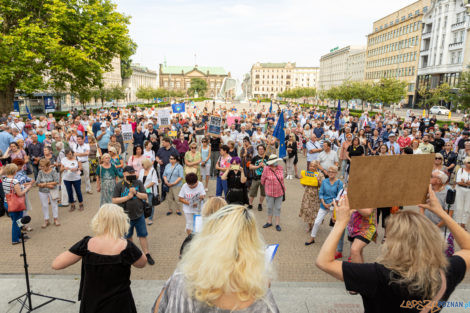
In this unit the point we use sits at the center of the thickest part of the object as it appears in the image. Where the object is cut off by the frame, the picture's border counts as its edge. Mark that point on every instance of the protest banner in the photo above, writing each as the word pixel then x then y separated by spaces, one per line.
pixel 215 125
pixel 231 119
pixel 391 180
pixel 172 133
pixel 127 134
pixel 164 117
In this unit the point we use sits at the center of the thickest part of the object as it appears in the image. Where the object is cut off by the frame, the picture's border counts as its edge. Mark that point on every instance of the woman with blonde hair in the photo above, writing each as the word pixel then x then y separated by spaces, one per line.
pixel 210 207
pixel 48 181
pixel 224 268
pixel 411 269
pixel 106 263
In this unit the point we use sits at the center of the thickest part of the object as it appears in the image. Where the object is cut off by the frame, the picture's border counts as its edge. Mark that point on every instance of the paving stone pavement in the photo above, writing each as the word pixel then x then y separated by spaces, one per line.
pixel 293 262
pixel 291 297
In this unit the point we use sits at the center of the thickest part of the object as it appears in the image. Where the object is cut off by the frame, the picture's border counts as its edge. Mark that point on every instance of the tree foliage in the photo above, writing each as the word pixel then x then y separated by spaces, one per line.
pixel 463 93
pixel 199 86
pixel 148 93
pixel 297 93
pixel 386 91
pixel 59 45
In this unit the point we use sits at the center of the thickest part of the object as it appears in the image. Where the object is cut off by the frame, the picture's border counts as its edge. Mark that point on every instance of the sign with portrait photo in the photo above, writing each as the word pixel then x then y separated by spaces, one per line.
pixel 215 125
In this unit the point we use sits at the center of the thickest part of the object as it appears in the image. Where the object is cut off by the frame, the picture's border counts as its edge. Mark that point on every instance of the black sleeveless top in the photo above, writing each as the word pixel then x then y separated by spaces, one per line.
pixel 105 279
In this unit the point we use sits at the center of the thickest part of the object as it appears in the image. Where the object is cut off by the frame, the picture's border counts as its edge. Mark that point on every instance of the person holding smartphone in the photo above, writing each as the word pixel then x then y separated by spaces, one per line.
pixel 236 183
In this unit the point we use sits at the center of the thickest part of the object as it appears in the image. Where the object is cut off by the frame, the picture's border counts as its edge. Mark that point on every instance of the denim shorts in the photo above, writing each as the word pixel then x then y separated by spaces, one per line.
pixel 140 227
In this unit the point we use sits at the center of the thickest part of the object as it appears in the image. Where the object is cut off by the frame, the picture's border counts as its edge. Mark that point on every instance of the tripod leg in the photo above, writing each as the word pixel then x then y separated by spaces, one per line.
pixel 16 299
pixel 54 298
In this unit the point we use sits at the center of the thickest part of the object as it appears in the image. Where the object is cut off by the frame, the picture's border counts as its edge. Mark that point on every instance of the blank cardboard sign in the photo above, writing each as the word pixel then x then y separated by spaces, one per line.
pixel 386 181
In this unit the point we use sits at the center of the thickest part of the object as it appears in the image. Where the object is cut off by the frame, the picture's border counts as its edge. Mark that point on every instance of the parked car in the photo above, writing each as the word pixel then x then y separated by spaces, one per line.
pixel 439 110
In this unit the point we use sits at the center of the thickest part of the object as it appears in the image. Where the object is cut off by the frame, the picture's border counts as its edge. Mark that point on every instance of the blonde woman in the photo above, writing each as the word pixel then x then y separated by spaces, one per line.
pixel 192 159
pixel 48 180
pixel 210 207
pixel 411 266
pixel 107 257
pixel 224 268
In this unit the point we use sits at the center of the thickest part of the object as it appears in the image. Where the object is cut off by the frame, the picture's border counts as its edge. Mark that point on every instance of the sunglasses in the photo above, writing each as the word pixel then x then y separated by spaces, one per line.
pixel 172 159
pixel 439 159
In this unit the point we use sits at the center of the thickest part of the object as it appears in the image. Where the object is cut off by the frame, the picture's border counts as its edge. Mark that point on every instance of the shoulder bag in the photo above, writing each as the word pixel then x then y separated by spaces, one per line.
pixel 165 187
pixel 282 187
pixel 15 202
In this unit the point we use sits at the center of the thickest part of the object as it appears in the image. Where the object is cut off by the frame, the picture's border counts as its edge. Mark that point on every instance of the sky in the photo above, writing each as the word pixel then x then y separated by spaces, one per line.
pixel 237 34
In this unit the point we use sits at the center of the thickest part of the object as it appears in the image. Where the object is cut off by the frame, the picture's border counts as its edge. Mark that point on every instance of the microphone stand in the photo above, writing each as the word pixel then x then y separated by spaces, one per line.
pixel 28 305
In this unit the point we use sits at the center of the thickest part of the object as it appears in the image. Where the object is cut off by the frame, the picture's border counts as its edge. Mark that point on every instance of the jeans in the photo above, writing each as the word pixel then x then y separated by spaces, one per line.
pixel 15 230
pixel 221 186
pixel 77 186
pixel 139 225
pixel 162 169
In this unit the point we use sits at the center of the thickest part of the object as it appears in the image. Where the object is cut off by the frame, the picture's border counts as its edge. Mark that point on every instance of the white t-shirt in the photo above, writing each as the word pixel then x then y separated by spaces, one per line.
pixel 328 159
pixel 192 195
pixel 149 155
pixel 462 176
pixel 67 174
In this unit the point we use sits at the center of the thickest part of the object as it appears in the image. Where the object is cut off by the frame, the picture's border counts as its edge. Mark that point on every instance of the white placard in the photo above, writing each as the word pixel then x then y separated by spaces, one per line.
pixel 127 134
pixel 164 117
pixel 197 223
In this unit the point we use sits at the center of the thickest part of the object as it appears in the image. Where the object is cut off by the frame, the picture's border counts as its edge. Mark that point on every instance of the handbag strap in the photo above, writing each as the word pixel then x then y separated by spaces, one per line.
pixel 282 187
pixel 439 294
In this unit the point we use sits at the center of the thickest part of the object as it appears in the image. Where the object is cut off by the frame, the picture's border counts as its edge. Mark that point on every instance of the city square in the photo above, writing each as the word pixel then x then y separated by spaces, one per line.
pixel 227 164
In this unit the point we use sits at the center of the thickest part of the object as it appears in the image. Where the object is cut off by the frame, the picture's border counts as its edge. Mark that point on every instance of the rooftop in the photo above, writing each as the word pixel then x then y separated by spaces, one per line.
pixel 213 70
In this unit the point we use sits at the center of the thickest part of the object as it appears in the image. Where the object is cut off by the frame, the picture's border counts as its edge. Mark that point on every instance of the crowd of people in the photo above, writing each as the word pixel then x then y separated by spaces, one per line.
pixel 170 166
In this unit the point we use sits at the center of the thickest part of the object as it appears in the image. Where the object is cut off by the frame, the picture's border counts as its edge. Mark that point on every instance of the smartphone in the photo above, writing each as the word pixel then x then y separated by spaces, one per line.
pixel 235 167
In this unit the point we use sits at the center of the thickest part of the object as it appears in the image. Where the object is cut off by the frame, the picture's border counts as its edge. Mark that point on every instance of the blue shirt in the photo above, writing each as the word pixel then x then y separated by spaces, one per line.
pixel 103 142
pixel 42 137
pixel 329 192
pixel 177 172
pixel 5 140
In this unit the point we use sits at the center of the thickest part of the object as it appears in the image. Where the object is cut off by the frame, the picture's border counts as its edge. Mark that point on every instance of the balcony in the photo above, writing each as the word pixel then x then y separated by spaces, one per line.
pixel 425 51
pixel 456 45
pixel 458 25
pixel 426 35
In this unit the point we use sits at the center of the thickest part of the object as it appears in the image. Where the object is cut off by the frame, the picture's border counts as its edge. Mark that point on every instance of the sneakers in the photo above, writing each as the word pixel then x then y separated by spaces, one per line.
pixel 150 222
pixel 150 259
pixel 278 228
pixel 250 207
pixel 260 207
pixel 267 225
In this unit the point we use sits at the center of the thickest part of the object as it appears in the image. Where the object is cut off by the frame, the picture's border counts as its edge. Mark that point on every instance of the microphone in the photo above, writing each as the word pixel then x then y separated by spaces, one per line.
pixel 23 221
pixel 450 197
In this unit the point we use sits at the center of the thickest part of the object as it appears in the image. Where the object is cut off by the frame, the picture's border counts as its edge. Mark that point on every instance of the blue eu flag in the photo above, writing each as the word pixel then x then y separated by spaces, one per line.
pixel 178 107
pixel 280 135
pixel 338 115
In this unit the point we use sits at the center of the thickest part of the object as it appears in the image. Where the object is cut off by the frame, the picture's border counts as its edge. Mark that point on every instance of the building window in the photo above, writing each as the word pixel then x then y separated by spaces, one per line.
pixel 417 12
pixel 459 57
pixel 452 58
pixel 410 15
pixel 425 9
pixel 178 85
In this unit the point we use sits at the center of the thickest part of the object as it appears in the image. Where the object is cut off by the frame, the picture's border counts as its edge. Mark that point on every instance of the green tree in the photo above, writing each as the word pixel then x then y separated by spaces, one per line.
pixel 463 93
pixel 145 93
pixel 443 93
pixel 117 93
pixel 364 91
pixel 390 90
pixel 57 44
pixel 198 85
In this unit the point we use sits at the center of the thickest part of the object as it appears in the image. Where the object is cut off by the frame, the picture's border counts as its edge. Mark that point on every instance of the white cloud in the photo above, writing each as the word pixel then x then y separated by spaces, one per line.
pixel 236 34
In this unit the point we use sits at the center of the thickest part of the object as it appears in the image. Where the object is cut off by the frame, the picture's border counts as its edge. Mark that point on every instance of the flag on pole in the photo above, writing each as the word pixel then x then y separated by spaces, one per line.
pixel 338 115
pixel 271 107
pixel 280 135
pixel 178 107
pixel 29 113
